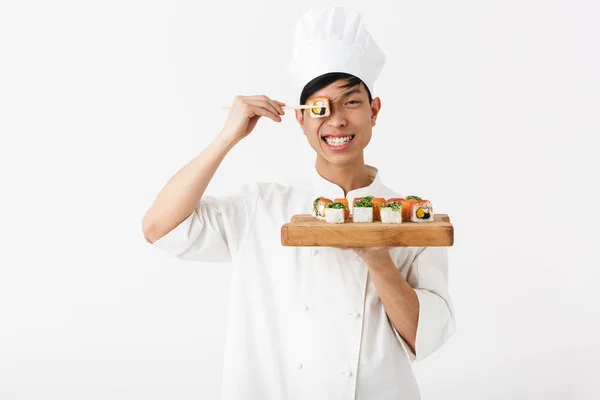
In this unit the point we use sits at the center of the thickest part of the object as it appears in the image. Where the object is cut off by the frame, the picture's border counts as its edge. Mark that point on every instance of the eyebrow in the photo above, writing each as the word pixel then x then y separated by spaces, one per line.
pixel 351 92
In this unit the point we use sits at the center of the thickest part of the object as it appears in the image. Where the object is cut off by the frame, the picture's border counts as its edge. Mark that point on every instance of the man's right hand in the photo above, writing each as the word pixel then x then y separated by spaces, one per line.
pixel 245 113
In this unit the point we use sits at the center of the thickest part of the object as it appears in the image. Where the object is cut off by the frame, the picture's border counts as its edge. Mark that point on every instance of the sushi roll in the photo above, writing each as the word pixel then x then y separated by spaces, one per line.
pixel 319 207
pixel 335 212
pixel 391 211
pixel 362 209
pixel 421 211
pixel 347 209
pixel 415 209
pixel 377 201
pixel 406 206
pixel 319 107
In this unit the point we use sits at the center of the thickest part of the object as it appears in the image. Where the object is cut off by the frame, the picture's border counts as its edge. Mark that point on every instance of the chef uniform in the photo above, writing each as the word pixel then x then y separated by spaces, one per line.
pixel 307 322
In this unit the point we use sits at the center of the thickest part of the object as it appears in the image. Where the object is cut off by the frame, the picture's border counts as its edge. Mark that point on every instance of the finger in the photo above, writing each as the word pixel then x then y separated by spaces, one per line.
pixel 267 106
pixel 264 112
pixel 275 104
pixel 281 104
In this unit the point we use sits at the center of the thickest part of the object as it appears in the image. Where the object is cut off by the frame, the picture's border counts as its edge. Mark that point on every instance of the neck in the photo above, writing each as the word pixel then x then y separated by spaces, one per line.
pixel 348 176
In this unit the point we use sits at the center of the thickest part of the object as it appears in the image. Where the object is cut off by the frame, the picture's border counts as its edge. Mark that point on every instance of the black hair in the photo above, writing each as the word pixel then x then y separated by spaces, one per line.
pixel 325 80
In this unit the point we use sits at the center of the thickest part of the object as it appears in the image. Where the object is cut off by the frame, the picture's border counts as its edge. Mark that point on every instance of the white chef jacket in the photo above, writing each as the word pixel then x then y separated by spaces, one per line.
pixel 307 322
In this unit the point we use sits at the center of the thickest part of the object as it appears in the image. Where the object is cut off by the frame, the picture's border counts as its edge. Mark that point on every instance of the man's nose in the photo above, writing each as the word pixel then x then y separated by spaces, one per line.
pixel 336 117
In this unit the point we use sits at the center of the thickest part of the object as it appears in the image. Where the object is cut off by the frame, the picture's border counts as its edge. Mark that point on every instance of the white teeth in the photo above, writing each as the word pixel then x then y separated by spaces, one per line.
pixel 338 141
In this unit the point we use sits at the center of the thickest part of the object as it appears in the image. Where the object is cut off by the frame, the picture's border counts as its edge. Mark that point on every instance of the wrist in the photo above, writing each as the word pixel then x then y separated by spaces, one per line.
pixel 225 141
pixel 379 262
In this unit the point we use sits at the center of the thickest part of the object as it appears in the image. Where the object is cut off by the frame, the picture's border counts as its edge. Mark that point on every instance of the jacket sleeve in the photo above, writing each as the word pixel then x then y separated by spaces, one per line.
pixel 428 275
pixel 216 228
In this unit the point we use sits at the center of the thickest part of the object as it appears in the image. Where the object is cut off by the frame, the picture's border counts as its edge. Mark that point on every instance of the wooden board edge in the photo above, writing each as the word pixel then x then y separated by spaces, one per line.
pixel 284 235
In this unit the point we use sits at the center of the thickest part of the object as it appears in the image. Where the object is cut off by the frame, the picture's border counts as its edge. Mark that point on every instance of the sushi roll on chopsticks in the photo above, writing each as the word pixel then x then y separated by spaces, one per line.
pixel 335 212
pixel 362 209
pixel 415 209
pixel 391 211
pixel 319 207
pixel 319 107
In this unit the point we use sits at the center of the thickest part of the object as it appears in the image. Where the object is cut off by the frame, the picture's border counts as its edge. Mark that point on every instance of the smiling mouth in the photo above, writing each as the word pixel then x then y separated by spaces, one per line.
pixel 337 141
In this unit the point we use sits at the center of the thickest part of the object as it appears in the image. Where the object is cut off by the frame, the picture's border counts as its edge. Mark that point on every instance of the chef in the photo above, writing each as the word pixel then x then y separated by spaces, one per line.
pixel 310 322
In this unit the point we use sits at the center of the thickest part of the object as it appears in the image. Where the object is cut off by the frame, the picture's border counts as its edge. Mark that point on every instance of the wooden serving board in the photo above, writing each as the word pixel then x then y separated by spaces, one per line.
pixel 306 230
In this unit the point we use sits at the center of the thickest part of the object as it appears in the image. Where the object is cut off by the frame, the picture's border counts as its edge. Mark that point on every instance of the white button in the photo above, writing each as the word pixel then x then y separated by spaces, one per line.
pixel 305 307
pixel 348 373
pixel 299 365
pixel 355 314
pixel 357 257
pixel 314 252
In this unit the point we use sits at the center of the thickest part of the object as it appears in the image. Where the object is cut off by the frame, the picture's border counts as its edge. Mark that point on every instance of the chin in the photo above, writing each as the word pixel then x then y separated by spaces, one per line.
pixel 340 159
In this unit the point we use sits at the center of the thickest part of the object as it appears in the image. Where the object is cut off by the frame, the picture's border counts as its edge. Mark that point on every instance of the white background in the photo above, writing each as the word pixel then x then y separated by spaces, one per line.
pixel 490 109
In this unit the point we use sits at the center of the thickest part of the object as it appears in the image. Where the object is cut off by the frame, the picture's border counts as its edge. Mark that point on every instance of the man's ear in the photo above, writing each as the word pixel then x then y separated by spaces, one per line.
pixel 375 108
pixel 300 118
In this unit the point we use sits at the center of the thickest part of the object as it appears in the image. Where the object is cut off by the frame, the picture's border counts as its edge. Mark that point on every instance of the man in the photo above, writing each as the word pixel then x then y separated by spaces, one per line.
pixel 322 322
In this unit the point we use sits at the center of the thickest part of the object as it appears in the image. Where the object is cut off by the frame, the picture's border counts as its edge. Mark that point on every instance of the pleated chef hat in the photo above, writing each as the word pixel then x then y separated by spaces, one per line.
pixel 334 39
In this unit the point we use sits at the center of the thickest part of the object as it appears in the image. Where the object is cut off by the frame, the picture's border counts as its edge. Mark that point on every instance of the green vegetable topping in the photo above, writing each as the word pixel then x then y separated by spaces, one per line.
pixel 335 204
pixel 364 202
pixel 413 198
pixel 394 205
pixel 315 205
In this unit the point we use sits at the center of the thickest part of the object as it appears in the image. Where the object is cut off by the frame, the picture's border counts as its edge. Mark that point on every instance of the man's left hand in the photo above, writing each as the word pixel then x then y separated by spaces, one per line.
pixel 371 254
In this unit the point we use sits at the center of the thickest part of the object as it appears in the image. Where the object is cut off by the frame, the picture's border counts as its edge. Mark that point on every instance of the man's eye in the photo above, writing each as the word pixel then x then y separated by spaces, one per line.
pixel 353 102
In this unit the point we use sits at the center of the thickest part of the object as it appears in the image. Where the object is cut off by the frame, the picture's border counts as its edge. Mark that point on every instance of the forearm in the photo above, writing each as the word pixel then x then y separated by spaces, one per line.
pixel 178 198
pixel 398 298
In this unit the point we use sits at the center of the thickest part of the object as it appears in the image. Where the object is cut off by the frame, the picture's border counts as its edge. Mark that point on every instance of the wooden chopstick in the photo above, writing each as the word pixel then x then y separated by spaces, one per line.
pixel 292 107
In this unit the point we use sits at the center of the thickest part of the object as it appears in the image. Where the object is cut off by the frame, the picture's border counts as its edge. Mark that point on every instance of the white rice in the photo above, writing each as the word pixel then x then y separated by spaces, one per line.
pixel 390 216
pixel 334 215
pixel 320 211
pixel 413 215
pixel 319 104
pixel 362 214
pixel 316 214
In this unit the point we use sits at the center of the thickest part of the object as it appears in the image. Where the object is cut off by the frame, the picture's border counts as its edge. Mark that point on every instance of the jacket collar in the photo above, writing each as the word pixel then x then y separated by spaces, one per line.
pixel 325 188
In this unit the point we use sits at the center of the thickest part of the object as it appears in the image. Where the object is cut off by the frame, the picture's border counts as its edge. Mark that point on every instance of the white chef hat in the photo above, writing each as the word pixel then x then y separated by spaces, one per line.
pixel 334 39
